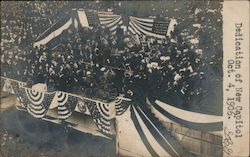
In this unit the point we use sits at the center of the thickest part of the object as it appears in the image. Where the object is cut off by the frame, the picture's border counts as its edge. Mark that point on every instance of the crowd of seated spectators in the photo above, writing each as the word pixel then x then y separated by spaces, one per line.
pixel 94 63
pixel 23 21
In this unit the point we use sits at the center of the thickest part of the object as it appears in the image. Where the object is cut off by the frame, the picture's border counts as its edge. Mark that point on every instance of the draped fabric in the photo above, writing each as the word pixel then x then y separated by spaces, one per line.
pixel 83 18
pixel 79 19
pixel 157 27
pixel 100 114
pixel 54 31
pixel 38 102
pixel 110 21
pixel 121 106
pixel 152 27
pixel 198 121
pixel 66 104
pixel 35 102
pixel 146 118
pixel 155 138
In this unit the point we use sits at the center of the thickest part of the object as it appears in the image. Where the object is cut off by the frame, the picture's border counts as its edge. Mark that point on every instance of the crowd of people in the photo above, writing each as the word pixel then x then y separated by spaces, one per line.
pixel 95 63
pixel 23 21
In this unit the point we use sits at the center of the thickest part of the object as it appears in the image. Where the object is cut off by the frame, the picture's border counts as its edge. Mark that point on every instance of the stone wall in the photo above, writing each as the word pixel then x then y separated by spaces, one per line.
pixel 197 142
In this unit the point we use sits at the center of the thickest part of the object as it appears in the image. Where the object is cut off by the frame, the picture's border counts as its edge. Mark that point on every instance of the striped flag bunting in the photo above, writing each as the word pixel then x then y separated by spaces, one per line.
pixel 66 104
pixel 100 114
pixel 38 102
pixel 110 21
pixel 198 121
pixel 157 140
pixel 145 120
pixel 121 106
pixel 147 26
pixel 54 31
pixel 76 19
pixel 35 102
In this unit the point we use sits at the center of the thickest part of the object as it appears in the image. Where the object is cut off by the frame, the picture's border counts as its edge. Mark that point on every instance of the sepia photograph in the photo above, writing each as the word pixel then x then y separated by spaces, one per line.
pixel 165 78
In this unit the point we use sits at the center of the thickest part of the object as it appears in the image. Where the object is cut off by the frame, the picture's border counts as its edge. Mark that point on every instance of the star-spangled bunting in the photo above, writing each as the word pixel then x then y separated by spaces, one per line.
pixel 147 26
pixel 99 114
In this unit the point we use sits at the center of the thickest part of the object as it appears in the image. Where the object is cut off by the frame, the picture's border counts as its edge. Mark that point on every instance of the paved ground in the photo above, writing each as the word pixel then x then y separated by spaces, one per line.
pixel 23 136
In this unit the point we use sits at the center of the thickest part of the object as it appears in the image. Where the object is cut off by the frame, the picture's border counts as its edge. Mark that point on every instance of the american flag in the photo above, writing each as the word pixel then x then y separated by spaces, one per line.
pixel 148 26
pixel 93 19
pixel 99 113
pixel 108 20
pixel 66 104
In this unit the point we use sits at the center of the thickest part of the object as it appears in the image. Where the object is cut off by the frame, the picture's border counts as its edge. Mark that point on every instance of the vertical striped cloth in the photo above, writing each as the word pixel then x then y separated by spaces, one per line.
pixel 148 26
